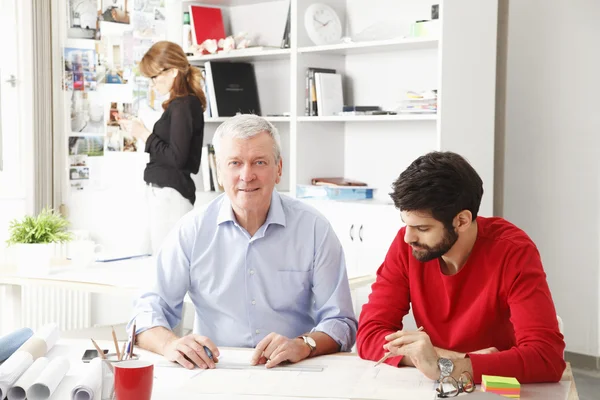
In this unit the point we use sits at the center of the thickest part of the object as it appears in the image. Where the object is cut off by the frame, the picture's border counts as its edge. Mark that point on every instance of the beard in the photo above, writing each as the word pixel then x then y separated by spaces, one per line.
pixel 428 253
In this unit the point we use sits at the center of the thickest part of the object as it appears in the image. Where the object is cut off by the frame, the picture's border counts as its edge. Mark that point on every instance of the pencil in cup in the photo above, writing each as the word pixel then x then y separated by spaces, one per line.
pixel 100 352
pixel 388 355
pixel 114 336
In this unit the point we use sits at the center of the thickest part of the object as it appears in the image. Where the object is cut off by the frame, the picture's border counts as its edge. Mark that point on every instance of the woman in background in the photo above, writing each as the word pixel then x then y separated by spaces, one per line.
pixel 175 143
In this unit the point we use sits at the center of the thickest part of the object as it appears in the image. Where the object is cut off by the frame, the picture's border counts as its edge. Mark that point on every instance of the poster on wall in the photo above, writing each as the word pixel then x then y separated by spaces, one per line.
pixel 147 5
pixel 150 24
pixel 115 11
pixel 83 19
pixel 87 112
pixel 80 69
pixel 117 137
pixel 90 146
pixel 115 58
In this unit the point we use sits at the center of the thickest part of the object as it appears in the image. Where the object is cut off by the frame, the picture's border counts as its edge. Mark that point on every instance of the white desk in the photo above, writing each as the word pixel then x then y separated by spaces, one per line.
pixel 173 383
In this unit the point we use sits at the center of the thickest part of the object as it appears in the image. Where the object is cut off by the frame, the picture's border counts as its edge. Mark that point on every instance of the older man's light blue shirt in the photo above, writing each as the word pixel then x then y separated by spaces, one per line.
pixel 289 278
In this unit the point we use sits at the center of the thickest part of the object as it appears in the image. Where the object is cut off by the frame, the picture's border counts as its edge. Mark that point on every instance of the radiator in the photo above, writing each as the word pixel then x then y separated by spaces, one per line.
pixel 70 309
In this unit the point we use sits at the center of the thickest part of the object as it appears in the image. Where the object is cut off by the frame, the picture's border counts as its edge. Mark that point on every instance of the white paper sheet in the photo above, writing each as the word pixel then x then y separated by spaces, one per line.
pixel 89 385
pixel 19 390
pixel 48 381
pixel 12 369
pixel 367 382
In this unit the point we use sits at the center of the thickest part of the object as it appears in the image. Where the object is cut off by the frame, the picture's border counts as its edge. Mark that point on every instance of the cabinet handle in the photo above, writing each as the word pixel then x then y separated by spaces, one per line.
pixel 360 233
pixel 351 232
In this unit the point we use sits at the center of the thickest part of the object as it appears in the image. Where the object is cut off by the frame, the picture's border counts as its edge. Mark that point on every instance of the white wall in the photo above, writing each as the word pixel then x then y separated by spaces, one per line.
pixel 552 175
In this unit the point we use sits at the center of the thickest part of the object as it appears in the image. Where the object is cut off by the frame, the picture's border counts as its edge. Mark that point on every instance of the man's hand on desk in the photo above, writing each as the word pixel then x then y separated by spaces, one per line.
pixel 416 346
pixel 189 351
pixel 275 349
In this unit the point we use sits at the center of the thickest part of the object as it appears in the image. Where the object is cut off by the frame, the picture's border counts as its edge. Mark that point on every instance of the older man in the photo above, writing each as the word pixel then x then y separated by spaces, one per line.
pixel 262 270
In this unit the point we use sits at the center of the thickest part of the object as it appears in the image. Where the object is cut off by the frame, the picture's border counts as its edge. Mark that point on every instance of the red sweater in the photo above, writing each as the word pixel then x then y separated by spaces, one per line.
pixel 499 298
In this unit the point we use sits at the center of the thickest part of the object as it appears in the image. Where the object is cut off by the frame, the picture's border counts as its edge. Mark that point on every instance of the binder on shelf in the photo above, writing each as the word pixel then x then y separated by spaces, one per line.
pixel 216 186
pixel 310 108
pixel 205 168
pixel 232 88
pixel 207 23
pixel 285 41
pixel 330 95
pixel 205 89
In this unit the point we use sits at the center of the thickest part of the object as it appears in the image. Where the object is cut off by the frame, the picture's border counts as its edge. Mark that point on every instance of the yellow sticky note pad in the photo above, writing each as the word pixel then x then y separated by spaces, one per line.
pixel 500 381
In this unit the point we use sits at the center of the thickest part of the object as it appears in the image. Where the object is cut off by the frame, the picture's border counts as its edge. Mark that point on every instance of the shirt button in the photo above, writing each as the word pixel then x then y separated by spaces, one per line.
pixel 253 302
pixel 251 272
pixel 257 331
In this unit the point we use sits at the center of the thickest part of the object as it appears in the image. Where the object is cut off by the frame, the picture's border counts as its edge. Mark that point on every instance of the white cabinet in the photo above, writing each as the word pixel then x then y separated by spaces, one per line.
pixel 365 231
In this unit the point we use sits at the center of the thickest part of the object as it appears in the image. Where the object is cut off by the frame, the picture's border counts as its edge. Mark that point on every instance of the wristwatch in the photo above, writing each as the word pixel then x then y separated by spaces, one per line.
pixel 310 342
pixel 446 367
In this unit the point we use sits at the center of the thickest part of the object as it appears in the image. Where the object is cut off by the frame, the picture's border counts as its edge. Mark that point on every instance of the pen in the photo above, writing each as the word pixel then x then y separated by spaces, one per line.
pixel 388 355
pixel 208 352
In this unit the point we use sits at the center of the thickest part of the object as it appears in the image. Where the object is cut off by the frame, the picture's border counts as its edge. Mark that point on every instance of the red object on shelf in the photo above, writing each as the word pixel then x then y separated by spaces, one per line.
pixel 207 23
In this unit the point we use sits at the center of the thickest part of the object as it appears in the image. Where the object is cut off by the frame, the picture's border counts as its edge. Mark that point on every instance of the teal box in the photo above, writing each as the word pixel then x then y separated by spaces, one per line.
pixel 348 193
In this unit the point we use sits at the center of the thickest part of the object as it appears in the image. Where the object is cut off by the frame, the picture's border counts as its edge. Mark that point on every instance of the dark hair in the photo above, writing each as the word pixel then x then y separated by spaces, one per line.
pixel 441 183
pixel 166 55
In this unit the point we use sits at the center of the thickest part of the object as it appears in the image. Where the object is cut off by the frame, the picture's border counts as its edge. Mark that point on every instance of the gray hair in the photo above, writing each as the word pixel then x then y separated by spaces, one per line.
pixel 246 126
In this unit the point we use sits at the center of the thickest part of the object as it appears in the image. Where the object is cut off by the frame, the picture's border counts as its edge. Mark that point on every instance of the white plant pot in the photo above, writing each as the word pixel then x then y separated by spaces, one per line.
pixel 35 258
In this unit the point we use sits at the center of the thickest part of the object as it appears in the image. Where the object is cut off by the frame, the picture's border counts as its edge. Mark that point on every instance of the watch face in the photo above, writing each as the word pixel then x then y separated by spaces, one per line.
pixel 311 342
pixel 446 366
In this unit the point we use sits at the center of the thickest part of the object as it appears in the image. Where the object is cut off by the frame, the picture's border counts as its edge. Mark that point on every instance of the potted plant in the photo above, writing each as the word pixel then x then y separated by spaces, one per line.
pixel 36 237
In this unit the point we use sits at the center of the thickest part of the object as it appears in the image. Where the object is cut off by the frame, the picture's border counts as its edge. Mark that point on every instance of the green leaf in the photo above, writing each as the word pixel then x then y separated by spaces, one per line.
pixel 47 227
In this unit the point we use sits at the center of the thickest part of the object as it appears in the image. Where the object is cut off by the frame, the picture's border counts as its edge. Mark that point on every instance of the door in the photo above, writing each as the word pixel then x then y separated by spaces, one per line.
pixel 14 171
pixel 10 182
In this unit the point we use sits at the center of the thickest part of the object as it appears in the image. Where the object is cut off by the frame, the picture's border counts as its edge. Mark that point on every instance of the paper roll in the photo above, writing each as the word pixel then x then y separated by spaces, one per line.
pixel 19 390
pixel 12 369
pixel 11 342
pixel 35 346
pixel 89 387
pixel 49 333
pixel 48 381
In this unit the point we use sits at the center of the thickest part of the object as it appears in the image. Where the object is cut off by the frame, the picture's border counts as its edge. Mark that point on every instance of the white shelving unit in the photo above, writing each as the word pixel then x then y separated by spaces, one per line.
pixel 375 46
pixel 460 64
pixel 371 118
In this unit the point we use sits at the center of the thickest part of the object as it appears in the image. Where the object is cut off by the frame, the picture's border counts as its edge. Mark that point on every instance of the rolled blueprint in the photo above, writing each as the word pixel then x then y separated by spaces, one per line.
pixel 19 390
pixel 12 369
pixel 48 381
pixel 49 333
pixel 89 387
pixel 11 342
pixel 35 347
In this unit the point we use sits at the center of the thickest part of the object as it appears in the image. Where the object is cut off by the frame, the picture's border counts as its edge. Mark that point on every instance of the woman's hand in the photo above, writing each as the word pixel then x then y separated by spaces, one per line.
pixel 135 127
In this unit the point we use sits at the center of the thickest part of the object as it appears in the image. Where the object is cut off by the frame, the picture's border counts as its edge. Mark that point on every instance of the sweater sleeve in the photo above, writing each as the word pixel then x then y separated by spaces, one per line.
pixel 382 315
pixel 181 129
pixel 538 355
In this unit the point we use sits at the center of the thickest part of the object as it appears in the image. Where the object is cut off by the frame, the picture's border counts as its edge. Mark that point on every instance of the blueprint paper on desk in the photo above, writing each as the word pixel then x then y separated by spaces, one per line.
pixel 341 377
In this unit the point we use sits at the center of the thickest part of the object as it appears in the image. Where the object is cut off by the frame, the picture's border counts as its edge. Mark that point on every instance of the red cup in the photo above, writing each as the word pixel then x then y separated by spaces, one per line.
pixel 133 380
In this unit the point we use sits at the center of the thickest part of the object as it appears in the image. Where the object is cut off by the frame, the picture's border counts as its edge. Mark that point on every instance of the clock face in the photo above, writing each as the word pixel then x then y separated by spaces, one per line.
pixel 322 24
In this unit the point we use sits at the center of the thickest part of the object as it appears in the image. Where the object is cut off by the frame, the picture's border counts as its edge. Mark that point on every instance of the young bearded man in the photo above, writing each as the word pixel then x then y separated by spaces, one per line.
pixel 476 285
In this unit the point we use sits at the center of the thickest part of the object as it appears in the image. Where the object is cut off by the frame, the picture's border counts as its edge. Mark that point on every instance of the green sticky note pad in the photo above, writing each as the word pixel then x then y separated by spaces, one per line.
pixel 500 381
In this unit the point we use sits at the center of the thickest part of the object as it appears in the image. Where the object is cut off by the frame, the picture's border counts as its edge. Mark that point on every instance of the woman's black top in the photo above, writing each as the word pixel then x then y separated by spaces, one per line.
pixel 175 146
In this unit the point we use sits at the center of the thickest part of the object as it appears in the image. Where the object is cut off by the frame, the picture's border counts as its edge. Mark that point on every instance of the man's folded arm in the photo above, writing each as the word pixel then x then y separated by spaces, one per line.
pixel 538 355
pixel 388 303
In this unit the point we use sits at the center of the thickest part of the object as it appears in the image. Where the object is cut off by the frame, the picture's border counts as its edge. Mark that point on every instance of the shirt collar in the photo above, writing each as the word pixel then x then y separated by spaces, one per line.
pixel 276 213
